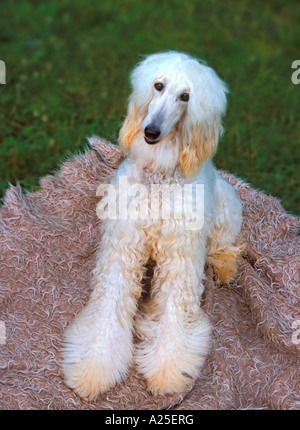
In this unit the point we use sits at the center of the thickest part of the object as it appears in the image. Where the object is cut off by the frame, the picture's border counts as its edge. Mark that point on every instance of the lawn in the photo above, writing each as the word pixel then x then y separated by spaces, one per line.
pixel 68 62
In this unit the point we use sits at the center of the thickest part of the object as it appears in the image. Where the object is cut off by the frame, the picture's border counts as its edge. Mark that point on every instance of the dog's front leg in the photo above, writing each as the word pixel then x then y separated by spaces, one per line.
pixel 98 344
pixel 175 331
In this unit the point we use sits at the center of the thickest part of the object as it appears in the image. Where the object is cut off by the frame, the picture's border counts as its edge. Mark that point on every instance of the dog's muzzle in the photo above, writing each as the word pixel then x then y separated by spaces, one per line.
pixel 152 134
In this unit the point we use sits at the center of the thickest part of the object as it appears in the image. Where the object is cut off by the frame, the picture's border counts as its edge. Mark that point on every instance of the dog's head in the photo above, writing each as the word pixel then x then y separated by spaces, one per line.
pixel 176 98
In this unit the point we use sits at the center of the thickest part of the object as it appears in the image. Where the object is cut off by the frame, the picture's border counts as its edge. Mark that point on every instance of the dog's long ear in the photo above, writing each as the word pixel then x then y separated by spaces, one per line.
pixel 198 146
pixel 201 126
pixel 131 127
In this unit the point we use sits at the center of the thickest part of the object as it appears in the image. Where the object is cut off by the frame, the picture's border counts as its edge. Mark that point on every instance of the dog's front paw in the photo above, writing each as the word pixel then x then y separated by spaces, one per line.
pixel 95 357
pixel 171 360
pixel 89 376
pixel 168 381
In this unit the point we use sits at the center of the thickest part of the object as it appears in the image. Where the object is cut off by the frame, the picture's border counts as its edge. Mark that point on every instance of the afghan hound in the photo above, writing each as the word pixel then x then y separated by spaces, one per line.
pixel 169 137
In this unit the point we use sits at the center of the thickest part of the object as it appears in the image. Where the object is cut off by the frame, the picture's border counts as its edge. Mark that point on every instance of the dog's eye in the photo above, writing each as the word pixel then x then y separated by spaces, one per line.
pixel 158 86
pixel 185 97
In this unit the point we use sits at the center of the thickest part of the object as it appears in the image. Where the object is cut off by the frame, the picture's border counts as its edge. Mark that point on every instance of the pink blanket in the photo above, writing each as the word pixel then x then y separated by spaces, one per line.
pixel 47 251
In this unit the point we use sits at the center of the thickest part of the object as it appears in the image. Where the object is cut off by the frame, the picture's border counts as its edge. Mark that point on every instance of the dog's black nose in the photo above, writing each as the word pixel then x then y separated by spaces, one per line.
pixel 152 132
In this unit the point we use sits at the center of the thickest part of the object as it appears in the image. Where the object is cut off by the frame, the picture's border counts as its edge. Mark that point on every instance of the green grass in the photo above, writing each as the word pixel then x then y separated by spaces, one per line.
pixel 68 63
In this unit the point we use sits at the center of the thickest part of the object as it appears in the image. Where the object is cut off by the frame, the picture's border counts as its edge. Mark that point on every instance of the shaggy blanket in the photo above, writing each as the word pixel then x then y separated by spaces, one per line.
pixel 47 251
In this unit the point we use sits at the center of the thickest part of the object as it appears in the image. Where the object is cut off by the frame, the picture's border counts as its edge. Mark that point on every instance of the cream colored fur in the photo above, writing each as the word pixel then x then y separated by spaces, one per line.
pixel 174 332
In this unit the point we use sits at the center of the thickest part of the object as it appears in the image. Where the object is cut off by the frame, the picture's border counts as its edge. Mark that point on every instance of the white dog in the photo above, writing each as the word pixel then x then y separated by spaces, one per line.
pixel 170 135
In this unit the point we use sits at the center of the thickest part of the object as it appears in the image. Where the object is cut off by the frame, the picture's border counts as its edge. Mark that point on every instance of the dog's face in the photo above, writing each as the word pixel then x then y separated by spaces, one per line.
pixel 168 105
pixel 174 113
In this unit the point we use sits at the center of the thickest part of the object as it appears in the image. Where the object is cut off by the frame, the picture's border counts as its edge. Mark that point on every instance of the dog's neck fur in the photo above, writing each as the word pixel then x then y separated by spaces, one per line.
pixel 159 162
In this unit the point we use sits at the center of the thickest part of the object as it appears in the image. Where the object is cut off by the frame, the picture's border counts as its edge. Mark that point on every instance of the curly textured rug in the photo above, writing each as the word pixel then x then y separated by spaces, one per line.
pixel 47 251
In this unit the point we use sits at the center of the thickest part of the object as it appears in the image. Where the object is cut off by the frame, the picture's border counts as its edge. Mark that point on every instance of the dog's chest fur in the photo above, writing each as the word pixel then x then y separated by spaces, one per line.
pixel 157 202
